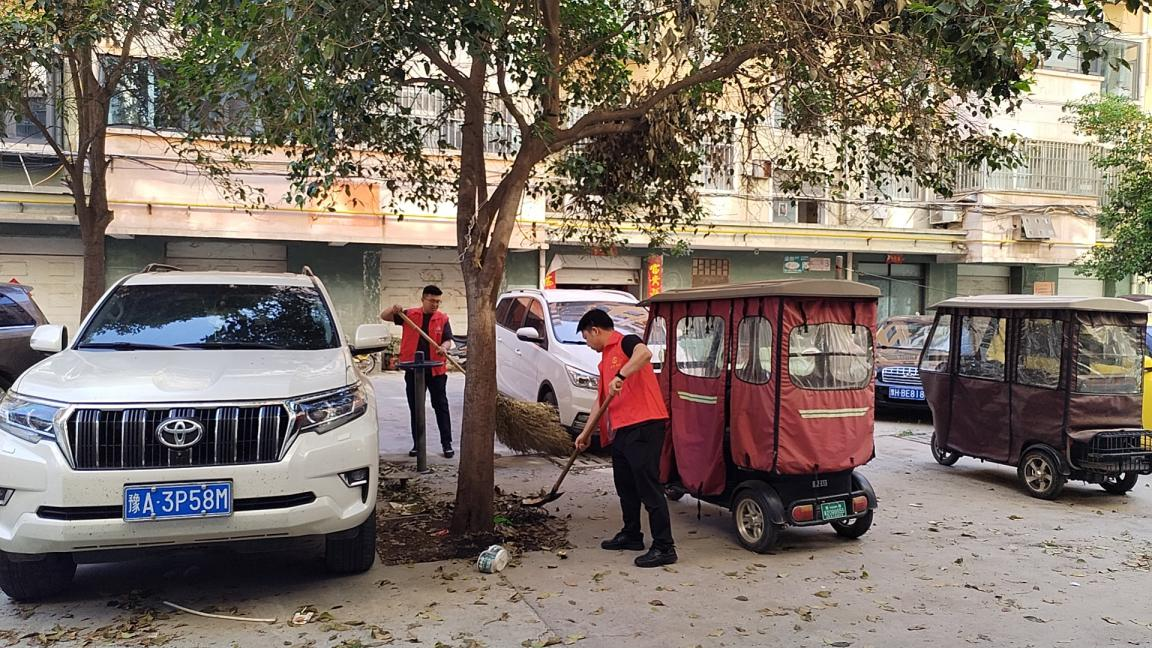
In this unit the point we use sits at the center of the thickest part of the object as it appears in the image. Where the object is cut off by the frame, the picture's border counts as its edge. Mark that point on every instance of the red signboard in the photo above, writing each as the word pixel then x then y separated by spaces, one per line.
pixel 655 267
pixel 894 258
pixel 550 280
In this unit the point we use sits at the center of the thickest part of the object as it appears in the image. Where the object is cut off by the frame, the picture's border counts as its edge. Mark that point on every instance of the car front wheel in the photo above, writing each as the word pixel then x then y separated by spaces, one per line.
pixel 352 552
pixel 1040 474
pixel 35 578
pixel 942 456
pixel 1120 484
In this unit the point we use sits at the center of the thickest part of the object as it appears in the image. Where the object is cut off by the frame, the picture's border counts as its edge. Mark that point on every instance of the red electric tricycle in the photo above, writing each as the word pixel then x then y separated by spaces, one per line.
pixel 769 388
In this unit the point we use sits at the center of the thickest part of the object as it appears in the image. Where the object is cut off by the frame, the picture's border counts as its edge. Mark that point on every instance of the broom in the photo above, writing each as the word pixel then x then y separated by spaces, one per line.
pixel 523 427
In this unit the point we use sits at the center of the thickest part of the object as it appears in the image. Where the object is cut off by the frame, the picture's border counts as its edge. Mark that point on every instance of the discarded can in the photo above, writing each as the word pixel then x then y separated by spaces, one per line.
pixel 493 559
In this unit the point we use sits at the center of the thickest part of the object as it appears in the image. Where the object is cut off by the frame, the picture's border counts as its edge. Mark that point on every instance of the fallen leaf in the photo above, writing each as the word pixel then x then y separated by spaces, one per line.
pixel 1111 620
pixel 1035 619
pixel 656 603
pixel 1015 517
pixel 824 594
pixel 741 598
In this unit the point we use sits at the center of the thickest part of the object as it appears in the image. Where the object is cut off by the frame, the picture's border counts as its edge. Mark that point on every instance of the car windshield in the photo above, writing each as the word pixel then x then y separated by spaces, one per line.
pixel 211 316
pixel 903 334
pixel 630 319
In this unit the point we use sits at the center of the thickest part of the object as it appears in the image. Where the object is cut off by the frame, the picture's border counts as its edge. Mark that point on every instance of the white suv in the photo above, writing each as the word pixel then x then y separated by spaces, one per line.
pixel 193 408
pixel 541 357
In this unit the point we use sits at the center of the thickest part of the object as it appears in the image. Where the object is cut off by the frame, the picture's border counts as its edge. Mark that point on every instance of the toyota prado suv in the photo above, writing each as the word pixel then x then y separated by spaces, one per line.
pixel 192 408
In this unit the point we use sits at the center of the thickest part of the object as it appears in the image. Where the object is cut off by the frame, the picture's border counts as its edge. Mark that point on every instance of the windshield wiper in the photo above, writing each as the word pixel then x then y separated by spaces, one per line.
pixel 232 345
pixel 129 346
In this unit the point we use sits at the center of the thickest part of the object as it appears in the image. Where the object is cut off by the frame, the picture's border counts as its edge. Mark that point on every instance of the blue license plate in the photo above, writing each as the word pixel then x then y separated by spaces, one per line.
pixel 177 501
pixel 906 393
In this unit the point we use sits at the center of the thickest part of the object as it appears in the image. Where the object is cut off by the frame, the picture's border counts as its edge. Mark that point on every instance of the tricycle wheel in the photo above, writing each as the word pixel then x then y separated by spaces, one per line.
pixel 1040 473
pixel 942 456
pixel 754 529
pixel 853 527
pixel 1121 483
pixel 674 494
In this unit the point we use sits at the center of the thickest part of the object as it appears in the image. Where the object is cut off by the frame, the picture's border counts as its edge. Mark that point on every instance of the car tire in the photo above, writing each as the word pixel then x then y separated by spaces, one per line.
pixel 750 516
pixel 548 396
pixel 352 552
pixel 34 580
pixel 853 528
pixel 1120 484
pixel 1039 473
pixel 942 456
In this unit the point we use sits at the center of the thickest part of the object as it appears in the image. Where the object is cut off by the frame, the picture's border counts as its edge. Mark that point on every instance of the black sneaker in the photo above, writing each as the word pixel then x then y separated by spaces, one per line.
pixel 657 557
pixel 412 452
pixel 449 452
pixel 622 542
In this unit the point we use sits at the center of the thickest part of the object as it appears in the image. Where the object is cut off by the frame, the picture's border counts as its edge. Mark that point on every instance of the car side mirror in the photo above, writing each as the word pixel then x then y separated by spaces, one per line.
pixel 49 338
pixel 529 334
pixel 371 338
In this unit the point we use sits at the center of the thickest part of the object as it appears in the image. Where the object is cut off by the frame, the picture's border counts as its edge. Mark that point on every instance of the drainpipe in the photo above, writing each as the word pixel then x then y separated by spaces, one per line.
pixel 848 267
pixel 543 269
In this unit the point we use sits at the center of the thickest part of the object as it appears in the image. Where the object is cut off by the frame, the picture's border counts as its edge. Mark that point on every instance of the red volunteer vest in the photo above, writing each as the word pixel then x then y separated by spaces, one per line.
pixel 639 401
pixel 410 339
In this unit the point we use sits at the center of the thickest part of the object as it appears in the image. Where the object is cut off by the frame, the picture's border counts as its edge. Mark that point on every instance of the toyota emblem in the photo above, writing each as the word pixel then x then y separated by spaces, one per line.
pixel 179 433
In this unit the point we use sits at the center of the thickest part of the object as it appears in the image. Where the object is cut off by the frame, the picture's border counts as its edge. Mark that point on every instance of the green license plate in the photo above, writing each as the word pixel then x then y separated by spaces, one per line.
pixel 833 510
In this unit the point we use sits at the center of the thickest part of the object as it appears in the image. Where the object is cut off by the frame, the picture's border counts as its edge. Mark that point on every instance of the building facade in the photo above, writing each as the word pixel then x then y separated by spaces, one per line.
pixel 1014 231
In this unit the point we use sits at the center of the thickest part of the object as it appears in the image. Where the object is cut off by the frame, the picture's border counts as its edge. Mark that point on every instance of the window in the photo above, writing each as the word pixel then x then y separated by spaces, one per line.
pixel 700 346
pixel 516 313
pixel 1038 358
pixel 1110 359
pixel 629 319
pixel 535 320
pixel 710 272
pixel 502 309
pixel 138 100
pixel 718 167
pixel 982 345
pixel 795 201
pixel 657 342
pixel 11 315
pixel 754 350
pixel 830 356
pixel 211 316
pixel 40 92
pixel 935 356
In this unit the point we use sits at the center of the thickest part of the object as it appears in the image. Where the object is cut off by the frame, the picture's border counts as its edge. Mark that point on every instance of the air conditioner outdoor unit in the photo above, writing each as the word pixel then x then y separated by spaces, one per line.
pixel 944 216
pixel 758 169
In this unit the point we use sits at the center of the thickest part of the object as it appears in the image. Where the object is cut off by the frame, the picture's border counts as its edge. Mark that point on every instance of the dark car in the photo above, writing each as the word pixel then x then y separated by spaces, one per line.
pixel 899 341
pixel 19 316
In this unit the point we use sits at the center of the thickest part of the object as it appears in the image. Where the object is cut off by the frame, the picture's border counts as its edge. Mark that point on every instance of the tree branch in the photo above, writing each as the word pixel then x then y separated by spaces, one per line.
pixel 550 18
pixel 48 136
pixel 112 77
pixel 718 70
pixel 591 48
pixel 506 97
pixel 442 64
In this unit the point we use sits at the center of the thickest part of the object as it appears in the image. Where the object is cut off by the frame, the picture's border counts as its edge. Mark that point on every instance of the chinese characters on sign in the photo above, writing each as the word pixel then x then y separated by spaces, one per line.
pixel 655 265
pixel 798 264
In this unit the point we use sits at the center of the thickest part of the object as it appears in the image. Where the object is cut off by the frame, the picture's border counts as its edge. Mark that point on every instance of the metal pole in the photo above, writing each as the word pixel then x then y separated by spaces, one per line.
pixel 420 413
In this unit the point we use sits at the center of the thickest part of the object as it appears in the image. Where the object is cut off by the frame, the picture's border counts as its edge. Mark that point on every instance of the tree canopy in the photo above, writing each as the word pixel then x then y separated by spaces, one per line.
pixel 1125 132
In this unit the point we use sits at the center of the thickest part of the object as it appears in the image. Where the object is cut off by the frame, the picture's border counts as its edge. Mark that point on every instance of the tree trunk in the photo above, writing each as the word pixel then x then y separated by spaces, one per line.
pixel 94 219
pixel 475 481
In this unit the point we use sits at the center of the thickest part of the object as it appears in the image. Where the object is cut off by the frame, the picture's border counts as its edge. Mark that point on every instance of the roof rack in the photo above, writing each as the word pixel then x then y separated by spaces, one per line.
pixel 307 272
pixel 161 267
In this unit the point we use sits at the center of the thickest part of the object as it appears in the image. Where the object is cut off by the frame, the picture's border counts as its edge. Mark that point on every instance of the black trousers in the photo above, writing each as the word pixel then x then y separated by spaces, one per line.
pixel 438 390
pixel 636 471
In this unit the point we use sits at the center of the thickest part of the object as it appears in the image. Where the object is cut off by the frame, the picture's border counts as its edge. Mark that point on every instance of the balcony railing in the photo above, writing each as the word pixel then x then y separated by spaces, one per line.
pixel 1047 167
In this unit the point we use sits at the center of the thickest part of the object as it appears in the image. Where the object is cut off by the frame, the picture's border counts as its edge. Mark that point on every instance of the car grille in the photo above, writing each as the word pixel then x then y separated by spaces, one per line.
pixel 120 439
pixel 900 376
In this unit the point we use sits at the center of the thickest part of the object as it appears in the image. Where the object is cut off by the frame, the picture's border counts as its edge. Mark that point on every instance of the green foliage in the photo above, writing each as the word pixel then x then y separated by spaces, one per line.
pixel 1125 131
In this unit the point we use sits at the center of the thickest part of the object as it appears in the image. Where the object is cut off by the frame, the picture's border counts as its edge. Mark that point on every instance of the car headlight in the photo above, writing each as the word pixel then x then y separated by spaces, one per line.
pixel 583 378
pixel 28 420
pixel 327 412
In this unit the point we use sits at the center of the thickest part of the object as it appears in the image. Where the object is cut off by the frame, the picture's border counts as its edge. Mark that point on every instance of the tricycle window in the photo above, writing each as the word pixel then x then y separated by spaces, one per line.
pixel 658 342
pixel 830 356
pixel 935 356
pixel 982 345
pixel 754 350
pixel 1038 355
pixel 1109 359
pixel 700 346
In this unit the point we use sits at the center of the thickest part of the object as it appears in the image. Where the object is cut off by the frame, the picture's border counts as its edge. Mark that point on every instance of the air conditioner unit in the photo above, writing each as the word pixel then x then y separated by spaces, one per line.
pixel 944 216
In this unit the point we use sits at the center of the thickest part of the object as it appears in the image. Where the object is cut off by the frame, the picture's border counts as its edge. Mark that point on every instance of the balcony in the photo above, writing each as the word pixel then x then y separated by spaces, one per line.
pixel 1059 168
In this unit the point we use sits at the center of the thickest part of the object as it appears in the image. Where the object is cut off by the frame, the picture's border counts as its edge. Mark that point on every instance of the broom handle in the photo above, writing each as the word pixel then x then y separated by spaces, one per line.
pixel 434 343
pixel 592 421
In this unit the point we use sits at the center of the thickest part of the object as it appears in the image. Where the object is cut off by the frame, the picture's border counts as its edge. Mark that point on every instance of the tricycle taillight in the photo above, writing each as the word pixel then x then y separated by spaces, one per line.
pixel 803 513
pixel 859 504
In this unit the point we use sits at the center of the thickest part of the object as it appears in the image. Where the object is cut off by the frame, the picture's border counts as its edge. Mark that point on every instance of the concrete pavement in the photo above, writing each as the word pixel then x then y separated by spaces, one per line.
pixel 957 556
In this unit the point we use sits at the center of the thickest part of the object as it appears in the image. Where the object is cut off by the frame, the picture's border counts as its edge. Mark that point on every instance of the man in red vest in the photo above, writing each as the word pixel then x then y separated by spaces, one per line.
pixel 634 427
pixel 434 322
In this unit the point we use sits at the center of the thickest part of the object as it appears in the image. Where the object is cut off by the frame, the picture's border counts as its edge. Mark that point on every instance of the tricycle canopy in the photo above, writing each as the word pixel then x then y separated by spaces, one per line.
pixel 773 377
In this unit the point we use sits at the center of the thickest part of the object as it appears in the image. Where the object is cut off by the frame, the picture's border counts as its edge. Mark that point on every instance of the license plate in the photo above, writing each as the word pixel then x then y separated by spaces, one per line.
pixel 177 501
pixel 833 510
pixel 906 393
